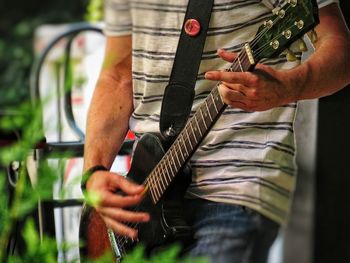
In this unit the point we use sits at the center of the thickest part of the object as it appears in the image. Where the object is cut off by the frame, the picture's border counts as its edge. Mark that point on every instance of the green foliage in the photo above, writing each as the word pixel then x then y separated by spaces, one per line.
pixel 17 26
pixel 25 195
pixel 16 58
pixel 27 120
pixel 4 213
pixel 37 250
pixel 94 11
pixel 167 255
pixel 29 192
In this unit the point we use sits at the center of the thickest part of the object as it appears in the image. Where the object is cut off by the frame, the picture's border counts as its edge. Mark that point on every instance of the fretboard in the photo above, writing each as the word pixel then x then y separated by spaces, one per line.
pixel 191 136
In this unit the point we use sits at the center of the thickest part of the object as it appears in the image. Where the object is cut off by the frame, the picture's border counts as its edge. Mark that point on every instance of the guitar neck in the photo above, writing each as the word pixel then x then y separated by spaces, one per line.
pixel 191 136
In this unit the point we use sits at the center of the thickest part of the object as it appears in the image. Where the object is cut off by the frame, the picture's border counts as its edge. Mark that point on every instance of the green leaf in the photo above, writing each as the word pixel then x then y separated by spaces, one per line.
pixel 31 237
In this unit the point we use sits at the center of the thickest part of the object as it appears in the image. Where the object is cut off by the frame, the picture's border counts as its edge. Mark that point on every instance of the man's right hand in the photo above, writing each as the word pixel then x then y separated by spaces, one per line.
pixel 110 206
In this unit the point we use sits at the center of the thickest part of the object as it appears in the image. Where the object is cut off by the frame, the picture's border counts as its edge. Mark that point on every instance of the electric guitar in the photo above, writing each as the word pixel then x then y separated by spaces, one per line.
pixel 162 172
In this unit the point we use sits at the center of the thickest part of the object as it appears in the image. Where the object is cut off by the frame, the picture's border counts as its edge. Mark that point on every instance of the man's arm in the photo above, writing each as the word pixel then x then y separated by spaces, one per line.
pixel 328 69
pixel 107 125
pixel 325 72
pixel 111 105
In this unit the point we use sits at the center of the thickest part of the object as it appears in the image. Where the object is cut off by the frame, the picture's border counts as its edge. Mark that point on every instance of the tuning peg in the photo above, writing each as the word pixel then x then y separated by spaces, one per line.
pixel 290 55
pixel 302 45
pixel 313 36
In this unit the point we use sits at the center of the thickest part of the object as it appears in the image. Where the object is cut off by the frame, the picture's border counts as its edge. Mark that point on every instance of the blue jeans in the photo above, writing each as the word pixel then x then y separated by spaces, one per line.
pixel 229 233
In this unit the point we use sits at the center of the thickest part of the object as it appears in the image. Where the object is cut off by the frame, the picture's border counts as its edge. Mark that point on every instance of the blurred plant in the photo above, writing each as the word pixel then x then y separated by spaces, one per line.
pixel 25 193
pixel 37 250
pixel 168 255
pixel 94 11
pixel 28 193
pixel 17 26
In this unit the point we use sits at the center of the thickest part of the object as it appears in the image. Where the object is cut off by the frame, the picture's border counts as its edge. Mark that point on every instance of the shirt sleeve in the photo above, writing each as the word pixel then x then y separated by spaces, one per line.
pixel 117 18
pixel 323 3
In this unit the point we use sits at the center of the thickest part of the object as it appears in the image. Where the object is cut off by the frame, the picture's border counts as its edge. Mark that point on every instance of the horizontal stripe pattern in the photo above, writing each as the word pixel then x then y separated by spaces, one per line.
pixel 288 126
pixel 247 158
pixel 250 145
pixel 240 179
pixel 214 164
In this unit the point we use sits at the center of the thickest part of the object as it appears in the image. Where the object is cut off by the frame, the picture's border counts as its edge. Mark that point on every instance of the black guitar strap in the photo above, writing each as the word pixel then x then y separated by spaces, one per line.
pixel 179 93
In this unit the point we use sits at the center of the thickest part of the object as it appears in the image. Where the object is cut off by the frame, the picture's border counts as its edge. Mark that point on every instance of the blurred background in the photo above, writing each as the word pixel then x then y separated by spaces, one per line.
pixel 51 52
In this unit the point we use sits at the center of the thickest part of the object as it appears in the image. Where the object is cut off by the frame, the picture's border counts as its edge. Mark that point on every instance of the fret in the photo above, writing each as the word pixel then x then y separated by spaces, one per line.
pixel 194 135
pixel 181 139
pixel 199 129
pixel 205 113
pixel 215 107
pixel 239 63
pixel 161 180
pixel 169 163
pixel 152 194
pixel 188 136
pixel 218 98
pixel 154 187
pixel 173 161
pixel 167 171
pixel 170 160
pixel 156 195
pixel 206 104
pixel 177 156
pixel 180 151
pixel 205 124
pixel 159 186
pixel 164 179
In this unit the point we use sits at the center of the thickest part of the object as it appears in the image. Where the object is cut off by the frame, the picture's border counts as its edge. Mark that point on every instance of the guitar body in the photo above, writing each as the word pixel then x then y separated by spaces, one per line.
pixel 166 224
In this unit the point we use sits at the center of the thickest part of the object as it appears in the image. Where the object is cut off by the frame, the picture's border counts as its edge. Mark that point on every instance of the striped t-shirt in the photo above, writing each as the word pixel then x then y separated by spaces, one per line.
pixel 248 158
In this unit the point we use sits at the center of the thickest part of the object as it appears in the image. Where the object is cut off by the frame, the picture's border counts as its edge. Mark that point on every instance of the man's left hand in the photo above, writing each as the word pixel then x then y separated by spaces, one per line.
pixel 262 89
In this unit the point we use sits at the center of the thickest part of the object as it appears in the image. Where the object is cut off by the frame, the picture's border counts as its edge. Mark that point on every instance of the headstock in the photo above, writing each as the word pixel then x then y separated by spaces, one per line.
pixel 288 23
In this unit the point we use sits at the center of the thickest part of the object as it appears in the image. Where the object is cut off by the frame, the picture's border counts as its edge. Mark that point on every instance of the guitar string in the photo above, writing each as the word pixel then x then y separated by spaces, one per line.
pixel 234 63
pixel 263 31
pixel 260 50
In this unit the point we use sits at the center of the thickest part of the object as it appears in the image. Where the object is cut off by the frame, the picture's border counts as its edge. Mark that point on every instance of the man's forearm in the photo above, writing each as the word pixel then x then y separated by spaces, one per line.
pixel 328 69
pixel 108 116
